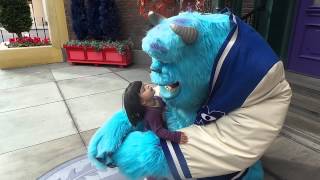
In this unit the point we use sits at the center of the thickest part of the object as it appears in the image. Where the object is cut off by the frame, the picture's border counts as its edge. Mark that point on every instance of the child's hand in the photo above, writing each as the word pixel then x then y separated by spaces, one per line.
pixel 183 138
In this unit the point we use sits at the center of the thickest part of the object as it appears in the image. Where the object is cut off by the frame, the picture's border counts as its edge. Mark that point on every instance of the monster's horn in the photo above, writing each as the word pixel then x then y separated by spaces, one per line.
pixel 188 34
pixel 155 18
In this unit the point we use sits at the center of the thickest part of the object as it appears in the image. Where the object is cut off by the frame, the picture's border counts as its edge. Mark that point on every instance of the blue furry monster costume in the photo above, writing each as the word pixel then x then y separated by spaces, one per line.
pixel 223 87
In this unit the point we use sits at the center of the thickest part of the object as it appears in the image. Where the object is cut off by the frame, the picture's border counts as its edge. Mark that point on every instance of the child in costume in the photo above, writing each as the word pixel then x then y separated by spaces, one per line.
pixel 140 103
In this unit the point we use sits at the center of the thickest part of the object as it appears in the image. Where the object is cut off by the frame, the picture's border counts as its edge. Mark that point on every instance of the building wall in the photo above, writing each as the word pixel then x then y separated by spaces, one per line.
pixel 247 6
pixel 132 24
pixel 37 12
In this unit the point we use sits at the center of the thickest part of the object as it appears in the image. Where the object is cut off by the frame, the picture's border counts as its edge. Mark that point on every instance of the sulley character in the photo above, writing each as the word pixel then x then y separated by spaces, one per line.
pixel 223 87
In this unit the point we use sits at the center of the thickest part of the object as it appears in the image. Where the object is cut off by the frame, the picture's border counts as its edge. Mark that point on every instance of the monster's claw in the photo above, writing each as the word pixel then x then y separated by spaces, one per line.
pixel 141 155
pixel 108 139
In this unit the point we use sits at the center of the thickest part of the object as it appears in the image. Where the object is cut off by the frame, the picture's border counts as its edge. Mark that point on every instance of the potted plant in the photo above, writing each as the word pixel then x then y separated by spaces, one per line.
pixel 15 16
pixel 94 50
pixel 28 42
pixel 75 51
pixel 118 52
pixel 99 52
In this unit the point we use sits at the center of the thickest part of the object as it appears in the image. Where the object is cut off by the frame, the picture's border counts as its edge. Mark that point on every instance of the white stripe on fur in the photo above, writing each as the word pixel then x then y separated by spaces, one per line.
pixel 175 160
pixel 225 53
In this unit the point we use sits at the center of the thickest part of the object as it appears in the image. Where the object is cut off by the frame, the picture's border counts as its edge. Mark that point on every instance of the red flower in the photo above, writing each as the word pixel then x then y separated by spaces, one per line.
pixel 36 40
pixel 28 41
pixel 12 40
pixel 46 41
pixel 20 40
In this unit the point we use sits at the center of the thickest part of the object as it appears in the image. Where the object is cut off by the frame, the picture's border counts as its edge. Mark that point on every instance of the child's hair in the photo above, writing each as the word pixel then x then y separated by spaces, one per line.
pixel 132 103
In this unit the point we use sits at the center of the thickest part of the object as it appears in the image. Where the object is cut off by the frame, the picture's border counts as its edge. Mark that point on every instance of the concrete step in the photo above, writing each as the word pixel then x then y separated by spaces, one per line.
pixel 295 154
pixel 303 81
pixel 289 160
pixel 305 98
pixel 268 176
pixel 303 120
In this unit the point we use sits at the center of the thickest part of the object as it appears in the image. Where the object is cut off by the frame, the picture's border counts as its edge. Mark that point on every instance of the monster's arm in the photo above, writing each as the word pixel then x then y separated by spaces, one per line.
pixel 238 139
pixel 108 139
pixel 232 144
pixel 137 154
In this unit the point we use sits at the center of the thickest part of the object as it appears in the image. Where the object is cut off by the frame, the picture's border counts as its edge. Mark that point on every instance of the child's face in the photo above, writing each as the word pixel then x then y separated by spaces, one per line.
pixel 146 92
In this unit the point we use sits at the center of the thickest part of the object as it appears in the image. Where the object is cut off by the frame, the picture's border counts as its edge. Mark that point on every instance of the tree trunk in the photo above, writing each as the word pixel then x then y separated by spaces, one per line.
pixel 19 34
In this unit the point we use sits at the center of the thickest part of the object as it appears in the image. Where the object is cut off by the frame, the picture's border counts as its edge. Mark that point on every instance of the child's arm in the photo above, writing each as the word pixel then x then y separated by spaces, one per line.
pixel 153 118
pixel 183 138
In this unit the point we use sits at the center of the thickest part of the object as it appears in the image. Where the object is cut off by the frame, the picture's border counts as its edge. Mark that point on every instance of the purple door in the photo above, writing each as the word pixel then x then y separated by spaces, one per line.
pixel 304 55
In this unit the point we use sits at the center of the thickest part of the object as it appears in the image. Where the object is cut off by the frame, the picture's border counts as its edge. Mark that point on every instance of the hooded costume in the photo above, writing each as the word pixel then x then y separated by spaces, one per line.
pixel 230 116
pixel 247 86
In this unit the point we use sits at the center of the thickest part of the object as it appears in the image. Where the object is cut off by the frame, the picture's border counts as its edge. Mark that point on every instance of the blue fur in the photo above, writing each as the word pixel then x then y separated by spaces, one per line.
pixel 179 62
pixel 108 139
pixel 144 158
pixel 255 172
pixel 140 154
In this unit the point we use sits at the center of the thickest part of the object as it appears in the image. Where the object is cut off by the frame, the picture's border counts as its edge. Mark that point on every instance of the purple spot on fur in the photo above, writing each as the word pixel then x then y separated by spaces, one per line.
pixel 181 21
pixel 158 47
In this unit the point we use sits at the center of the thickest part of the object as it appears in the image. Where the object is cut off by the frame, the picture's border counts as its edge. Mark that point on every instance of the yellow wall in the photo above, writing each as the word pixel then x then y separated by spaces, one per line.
pixel 21 57
pixel 38 11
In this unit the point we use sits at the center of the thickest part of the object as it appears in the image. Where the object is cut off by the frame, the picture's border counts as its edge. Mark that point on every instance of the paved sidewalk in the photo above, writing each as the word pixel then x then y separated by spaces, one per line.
pixel 48 113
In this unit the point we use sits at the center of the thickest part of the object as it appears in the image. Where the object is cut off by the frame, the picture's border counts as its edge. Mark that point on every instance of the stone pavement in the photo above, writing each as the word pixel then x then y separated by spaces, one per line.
pixel 48 113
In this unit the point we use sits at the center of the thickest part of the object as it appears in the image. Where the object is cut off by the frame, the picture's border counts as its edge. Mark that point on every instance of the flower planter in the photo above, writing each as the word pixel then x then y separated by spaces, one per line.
pixel 93 55
pixel 28 42
pixel 75 53
pixel 89 55
pixel 113 57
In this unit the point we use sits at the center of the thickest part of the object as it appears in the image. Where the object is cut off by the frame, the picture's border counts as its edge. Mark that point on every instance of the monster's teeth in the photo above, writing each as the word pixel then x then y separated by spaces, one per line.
pixel 169 88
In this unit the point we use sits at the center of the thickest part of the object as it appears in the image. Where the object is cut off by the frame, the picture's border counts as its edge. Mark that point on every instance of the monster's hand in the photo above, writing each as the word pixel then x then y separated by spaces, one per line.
pixel 108 139
pixel 141 155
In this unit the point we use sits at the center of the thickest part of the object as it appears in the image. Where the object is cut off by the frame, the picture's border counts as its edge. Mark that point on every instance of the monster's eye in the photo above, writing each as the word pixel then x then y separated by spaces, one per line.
pixel 158 47
pixel 182 21
pixel 207 117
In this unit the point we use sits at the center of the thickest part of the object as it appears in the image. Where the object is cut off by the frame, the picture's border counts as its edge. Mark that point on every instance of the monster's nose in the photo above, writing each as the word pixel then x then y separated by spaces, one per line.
pixel 157 70
pixel 156 66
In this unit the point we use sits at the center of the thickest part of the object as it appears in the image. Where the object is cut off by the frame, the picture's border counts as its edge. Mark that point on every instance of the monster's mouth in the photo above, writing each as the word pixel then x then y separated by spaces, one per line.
pixel 170 90
pixel 172 87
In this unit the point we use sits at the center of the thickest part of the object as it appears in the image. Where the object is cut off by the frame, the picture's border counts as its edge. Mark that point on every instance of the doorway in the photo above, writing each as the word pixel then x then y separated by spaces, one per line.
pixel 304 56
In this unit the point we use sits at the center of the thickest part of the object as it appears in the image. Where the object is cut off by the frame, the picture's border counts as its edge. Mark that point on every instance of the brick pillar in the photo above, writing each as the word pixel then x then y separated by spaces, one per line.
pixel 132 24
pixel 67 4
